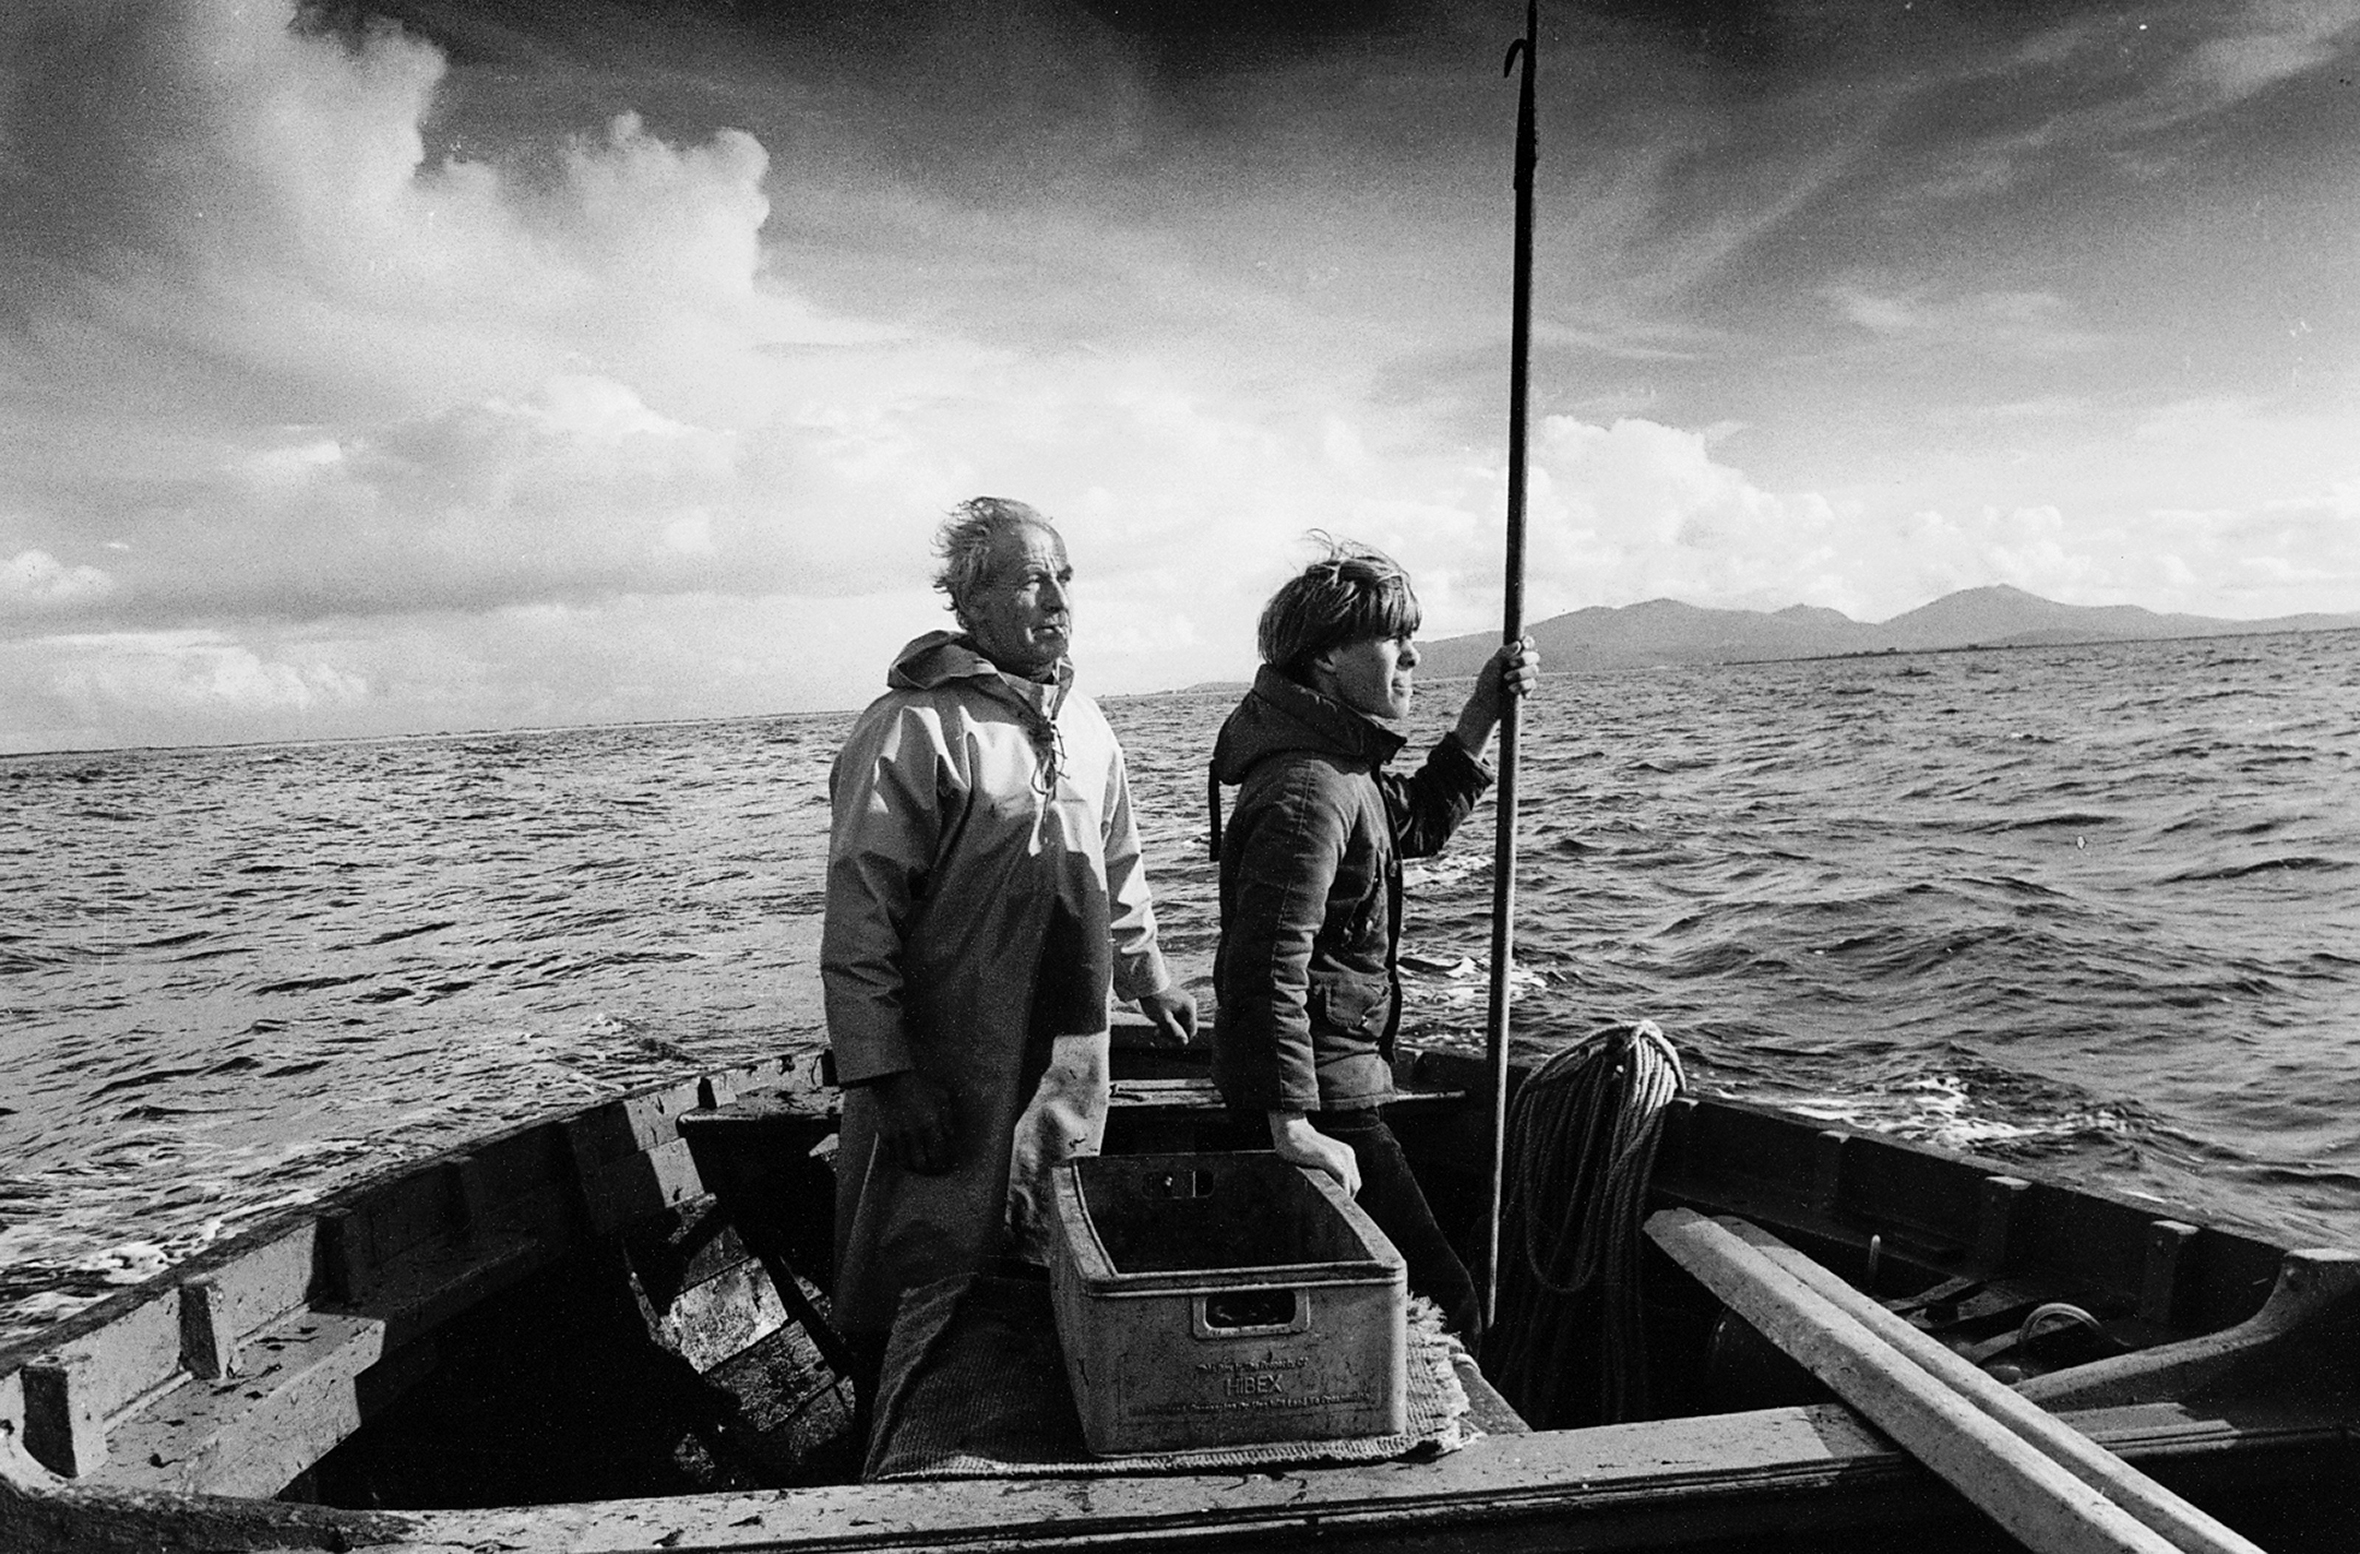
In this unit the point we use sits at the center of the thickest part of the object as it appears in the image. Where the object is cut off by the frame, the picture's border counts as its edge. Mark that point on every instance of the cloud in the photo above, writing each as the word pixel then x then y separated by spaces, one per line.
pixel 37 581
pixel 290 365
pixel 629 658
pixel 2024 324
pixel 368 380
pixel 2047 407
pixel 214 197
pixel 2257 561
pixel 199 669
pixel 1639 510
pixel 350 382
pixel 2273 41
pixel 2125 87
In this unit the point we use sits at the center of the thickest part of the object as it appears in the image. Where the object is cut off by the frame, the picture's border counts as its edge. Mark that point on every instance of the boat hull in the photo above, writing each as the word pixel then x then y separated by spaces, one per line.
pixel 552 1316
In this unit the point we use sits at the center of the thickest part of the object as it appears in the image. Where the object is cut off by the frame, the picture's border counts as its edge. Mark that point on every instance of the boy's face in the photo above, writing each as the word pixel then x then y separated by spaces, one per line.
pixel 1373 677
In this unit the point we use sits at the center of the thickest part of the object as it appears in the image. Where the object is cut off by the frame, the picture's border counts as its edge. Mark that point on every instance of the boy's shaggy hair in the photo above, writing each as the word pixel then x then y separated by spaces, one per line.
pixel 1351 594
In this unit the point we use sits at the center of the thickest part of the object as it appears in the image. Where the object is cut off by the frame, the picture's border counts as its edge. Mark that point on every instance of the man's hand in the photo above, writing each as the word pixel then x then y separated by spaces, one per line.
pixel 1173 1014
pixel 917 1122
pixel 1299 1143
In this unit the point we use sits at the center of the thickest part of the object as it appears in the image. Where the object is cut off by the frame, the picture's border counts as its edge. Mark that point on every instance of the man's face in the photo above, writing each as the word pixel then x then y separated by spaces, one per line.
pixel 1020 615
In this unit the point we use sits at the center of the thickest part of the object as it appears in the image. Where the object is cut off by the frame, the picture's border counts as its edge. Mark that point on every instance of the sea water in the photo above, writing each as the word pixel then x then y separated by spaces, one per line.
pixel 2092 909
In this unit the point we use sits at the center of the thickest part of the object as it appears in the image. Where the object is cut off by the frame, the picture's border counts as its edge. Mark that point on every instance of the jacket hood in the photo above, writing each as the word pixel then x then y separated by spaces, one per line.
pixel 1279 715
pixel 934 660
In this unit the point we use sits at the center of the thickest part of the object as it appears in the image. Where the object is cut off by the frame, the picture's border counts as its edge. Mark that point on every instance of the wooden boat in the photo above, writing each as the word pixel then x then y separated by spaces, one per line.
pixel 601 1332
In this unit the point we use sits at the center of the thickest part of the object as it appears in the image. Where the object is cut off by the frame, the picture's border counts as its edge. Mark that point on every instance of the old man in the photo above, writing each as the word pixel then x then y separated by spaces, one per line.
pixel 985 892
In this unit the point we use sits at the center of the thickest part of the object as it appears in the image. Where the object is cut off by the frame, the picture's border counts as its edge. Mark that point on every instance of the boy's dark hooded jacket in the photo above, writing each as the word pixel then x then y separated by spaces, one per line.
pixel 1311 894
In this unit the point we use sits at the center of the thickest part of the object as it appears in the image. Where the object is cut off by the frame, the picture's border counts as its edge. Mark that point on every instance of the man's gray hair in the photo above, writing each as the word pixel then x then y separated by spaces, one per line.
pixel 964 542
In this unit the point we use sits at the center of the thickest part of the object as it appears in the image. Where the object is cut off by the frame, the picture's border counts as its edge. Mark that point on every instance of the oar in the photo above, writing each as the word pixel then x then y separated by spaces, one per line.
pixel 2065 1503
pixel 1503 865
pixel 2189 1526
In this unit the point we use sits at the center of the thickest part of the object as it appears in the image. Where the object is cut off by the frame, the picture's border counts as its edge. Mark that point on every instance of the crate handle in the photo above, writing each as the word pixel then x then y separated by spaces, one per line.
pixel 1207 1319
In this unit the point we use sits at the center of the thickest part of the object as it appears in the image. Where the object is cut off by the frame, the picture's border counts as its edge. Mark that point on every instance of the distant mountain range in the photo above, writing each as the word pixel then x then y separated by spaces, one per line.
pixel 1664 631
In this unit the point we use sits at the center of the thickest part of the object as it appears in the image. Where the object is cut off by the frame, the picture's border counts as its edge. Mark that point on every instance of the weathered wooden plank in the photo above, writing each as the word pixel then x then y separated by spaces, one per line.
pixel 2035 1499
pixel 250 1435
pixel 363 1234
pixel 2315 1287
pixel 1197 1093
pixel 425 1290
pixel 1919 1197
pixel 64 1430
pixel 2169 1270
pixel 1781 1472
pixel 514 1180
pixel 1532 1480
pixel 1997 1211
pixel 467 1192
pixel 2100 1239
pixel 129 1357
pixel 1777 1472
pixel 372 1254
pixel 71 1392
pixel 291 1397
pixel 1828 1148
pixel 38 1513
pixel 2187 1527
pixel 1486 1409
pixel 1189 1093
pixel 208 1344
pixel 722 1316
pixel 1948 1212
pixel 631 1125
pixel 788 1071
pixel 265 1281
pixel 1535 1506
pixel 629 1187
pixel 699 1247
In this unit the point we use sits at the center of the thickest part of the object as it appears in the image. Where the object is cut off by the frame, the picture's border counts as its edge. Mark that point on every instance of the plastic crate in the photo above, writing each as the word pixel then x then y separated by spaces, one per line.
pixel 1221 1300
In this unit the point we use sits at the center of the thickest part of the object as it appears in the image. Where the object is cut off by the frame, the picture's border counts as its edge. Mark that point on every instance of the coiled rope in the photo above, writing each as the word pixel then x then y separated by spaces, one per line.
pixel 1581 1146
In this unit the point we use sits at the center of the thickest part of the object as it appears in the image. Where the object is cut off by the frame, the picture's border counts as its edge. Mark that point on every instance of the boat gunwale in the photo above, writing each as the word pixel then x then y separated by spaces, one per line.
pixel 1502 1481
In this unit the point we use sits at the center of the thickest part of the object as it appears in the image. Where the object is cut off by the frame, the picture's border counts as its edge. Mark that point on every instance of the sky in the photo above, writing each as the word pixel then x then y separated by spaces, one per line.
pixel 382 368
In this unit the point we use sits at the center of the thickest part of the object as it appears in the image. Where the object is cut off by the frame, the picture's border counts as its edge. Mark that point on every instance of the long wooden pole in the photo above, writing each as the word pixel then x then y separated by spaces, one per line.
pixel 1503 867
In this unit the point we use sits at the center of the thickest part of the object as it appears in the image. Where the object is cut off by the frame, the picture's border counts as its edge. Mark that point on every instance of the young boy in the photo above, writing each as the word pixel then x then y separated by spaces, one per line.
pixel 1309 993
